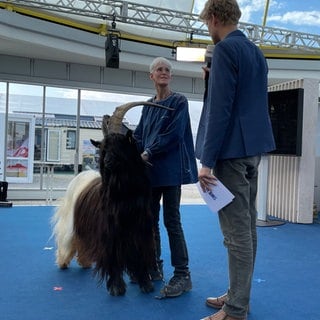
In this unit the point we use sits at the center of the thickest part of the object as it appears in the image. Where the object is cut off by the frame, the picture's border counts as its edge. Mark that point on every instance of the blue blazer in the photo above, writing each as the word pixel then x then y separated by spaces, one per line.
pixel 235 121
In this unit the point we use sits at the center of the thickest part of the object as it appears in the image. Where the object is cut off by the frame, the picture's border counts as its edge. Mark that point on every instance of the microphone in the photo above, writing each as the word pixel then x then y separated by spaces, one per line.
pixel 208 55
pixel 207 60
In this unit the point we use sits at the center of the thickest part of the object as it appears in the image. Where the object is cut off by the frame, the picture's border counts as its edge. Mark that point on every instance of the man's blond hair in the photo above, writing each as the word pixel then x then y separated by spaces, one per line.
pixel 226 11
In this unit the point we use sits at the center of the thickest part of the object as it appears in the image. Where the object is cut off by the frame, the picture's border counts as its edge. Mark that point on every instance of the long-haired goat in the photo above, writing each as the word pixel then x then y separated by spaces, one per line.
pixel 105 219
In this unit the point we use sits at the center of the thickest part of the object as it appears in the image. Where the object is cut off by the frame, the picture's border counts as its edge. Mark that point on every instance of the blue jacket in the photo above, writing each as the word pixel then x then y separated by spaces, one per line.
pixel 167 137
pixel 235 121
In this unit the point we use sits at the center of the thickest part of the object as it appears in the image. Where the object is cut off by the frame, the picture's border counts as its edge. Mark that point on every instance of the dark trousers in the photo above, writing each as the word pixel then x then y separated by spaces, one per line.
pixel 171 196
pixel 238 225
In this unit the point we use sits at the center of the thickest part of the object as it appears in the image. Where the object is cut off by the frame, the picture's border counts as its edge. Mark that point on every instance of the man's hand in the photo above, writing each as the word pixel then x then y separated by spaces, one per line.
pixel 206 179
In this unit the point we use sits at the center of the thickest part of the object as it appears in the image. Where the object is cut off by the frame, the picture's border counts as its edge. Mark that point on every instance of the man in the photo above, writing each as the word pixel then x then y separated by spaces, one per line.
pixel 234 131
pixel 165 140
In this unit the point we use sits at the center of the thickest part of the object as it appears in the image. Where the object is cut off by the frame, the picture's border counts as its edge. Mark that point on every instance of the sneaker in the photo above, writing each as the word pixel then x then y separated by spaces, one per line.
pixel 177 285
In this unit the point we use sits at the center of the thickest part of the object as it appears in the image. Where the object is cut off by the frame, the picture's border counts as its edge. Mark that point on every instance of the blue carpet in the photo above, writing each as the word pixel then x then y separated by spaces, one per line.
pixel 285 286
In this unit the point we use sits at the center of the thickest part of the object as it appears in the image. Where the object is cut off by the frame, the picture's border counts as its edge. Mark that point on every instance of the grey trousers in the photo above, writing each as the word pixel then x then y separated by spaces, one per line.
pixel 238 225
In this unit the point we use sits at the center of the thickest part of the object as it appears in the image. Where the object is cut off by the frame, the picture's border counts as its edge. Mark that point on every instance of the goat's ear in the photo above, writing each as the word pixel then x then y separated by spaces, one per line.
pixel 97 144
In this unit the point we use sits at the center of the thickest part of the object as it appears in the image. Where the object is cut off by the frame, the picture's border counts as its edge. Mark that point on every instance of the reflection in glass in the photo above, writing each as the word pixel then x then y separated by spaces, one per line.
pixel 18 139
pixel 19 153
pixel 71 139
pixel 96 103
pixel 57 145
pixel 25 98
pixel 3 94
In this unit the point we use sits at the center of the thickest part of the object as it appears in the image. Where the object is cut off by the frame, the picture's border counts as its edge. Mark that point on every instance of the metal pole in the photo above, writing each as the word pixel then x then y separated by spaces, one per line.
pixel 76 155
pixel 6 122
pixel 266 9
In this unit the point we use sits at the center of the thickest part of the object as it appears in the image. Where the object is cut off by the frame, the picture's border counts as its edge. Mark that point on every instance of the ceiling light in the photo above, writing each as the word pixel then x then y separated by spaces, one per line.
pixel 190 54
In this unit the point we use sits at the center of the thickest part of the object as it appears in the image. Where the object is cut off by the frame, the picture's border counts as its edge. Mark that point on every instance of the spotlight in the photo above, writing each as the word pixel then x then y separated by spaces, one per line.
pixel 112 51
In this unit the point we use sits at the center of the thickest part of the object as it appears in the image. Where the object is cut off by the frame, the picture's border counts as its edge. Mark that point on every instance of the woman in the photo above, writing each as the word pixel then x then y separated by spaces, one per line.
pixel 165 140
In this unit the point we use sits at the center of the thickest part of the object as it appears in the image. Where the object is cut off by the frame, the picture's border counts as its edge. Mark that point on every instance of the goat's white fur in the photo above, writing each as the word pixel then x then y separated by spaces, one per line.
pixel 62 220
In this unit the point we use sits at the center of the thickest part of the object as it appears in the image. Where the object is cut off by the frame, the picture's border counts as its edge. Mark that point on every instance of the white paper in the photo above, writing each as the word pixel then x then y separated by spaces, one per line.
pixel 218 197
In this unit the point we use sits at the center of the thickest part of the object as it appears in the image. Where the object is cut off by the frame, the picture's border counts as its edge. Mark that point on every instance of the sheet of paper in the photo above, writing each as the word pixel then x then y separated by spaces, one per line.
pixel 217 198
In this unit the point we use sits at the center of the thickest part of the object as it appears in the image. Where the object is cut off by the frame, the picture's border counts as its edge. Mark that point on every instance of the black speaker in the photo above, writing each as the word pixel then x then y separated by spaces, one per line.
pixel 112 51
pixel 286 114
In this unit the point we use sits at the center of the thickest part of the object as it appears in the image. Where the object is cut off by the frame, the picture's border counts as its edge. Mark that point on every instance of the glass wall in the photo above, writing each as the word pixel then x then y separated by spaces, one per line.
pixel 47 130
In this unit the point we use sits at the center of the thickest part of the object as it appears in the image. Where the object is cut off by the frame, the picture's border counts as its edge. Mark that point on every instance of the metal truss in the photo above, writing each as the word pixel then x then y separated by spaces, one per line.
pixel 166 19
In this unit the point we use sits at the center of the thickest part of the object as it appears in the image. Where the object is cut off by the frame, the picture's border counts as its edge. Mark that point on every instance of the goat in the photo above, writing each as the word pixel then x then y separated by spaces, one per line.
pixel 105 219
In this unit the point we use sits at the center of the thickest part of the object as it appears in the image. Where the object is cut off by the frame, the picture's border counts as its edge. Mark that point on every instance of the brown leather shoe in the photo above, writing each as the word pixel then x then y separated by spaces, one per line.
pixel 216 302
pixel 221 315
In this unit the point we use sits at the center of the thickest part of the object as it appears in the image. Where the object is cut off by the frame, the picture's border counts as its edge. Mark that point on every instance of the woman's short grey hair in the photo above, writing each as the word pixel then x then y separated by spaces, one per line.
pixel 159 60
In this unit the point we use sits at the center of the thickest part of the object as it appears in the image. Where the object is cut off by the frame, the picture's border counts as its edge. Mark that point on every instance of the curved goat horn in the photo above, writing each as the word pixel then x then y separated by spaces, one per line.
pixel 113 123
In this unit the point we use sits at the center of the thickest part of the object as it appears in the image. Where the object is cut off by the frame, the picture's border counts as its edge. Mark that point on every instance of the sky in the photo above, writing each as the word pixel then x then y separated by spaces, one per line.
pixel 295 15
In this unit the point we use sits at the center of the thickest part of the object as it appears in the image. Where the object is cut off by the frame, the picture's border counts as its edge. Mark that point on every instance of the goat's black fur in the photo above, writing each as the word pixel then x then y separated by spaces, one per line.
pixel 112 218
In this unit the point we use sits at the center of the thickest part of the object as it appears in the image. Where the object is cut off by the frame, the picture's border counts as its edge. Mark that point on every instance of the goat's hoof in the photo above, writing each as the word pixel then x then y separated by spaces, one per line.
pixel 116 286
pixel 64 266
pixel 147 287
pixel 117 291
pixel 85 265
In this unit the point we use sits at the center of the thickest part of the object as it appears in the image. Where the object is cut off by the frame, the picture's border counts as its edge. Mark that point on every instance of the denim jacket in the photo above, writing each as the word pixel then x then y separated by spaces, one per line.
pixel 166 136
